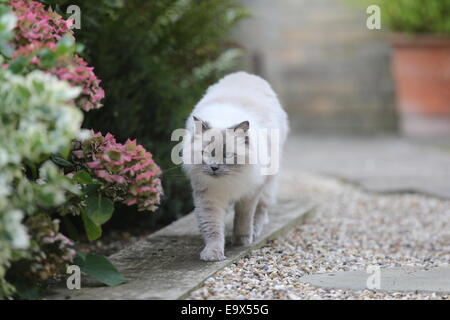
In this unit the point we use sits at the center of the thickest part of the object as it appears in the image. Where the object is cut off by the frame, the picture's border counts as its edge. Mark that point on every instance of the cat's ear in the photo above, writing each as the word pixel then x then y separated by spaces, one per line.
pixel 200 125
pixel 243 126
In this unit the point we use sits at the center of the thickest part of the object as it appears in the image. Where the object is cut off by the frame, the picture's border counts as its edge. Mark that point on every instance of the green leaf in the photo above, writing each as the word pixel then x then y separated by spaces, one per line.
pixel 72 231
pixel 99 209
pixel 66 45
pixel 18 65
pixel 45 197
pixel 48 58
pixel 100 268
pixel 6 49
pixel 91 188
pixel 83 177
pixel 33 168
pixel 61 161
pixel 79 259
pixel 80 255
pixel 24 92
pixel 65 152
pixel 93 231
pixel 27 291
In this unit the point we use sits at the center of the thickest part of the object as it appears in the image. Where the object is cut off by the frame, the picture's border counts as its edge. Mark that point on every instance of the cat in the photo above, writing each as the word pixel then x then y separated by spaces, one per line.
pixel 240 105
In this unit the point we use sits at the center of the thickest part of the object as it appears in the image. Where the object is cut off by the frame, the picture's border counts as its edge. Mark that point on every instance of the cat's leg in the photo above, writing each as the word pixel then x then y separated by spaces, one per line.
pixel 244 211
pixel 210 220
pixel 261 217
pixel 266 200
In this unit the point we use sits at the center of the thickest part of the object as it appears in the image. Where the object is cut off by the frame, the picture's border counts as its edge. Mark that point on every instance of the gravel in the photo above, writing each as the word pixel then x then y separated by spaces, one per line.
pixel 351 230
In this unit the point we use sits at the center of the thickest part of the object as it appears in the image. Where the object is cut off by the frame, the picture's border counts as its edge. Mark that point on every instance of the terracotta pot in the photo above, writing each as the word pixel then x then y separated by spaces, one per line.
pixel 421 68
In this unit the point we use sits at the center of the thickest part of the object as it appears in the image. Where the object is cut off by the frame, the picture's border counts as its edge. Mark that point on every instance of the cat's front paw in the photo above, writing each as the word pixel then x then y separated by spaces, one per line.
pixel 258 228
pixel 260 221
pixel 242 240
pixel 212 254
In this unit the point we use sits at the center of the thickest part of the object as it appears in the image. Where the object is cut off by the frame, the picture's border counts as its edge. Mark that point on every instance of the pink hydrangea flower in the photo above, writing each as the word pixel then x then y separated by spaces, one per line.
pixel 126 167
pixel 37 24
pixel 38 29
pixel 78 73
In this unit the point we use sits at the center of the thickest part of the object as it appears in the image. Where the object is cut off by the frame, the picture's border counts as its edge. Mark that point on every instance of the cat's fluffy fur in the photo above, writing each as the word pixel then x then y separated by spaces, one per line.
pixel 235 99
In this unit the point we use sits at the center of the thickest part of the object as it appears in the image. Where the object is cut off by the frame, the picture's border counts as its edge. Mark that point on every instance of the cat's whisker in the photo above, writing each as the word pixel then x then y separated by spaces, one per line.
pixel 170 169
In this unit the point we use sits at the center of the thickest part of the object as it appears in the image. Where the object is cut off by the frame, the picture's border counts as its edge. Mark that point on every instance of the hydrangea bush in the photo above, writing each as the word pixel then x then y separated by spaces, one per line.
pixel 35 23
pixel 127 170
pixel 44 86
pixel 35 121
pixel 38 32
pixel 49 252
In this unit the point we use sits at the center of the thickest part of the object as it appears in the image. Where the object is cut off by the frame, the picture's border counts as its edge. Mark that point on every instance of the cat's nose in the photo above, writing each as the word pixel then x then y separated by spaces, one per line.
pixel 214 168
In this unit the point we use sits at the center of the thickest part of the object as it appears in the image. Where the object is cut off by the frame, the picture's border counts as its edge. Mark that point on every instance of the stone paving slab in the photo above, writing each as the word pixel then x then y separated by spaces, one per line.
pixel 395 280
pixel 166 265
pixel 379 164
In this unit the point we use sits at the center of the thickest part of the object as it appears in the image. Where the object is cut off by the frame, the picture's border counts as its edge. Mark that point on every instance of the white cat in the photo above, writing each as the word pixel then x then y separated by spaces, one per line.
pixel 240 104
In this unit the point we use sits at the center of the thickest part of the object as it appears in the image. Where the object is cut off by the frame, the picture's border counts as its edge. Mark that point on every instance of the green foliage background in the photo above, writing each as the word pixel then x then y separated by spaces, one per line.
pixel 413 16
pixel 155 59
pixel 418 16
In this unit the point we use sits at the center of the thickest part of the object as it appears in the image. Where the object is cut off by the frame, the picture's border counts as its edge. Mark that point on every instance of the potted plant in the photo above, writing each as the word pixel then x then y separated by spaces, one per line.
pixel 421 63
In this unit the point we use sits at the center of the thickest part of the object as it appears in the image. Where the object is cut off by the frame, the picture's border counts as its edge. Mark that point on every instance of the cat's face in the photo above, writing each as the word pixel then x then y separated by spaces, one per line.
pixel 223 151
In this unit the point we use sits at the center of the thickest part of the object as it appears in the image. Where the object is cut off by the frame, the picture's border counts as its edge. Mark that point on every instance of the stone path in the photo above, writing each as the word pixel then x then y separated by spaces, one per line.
pixel 436 280
pixel 166 265
pixel 397 228
pixel 350 231
pixel 379 164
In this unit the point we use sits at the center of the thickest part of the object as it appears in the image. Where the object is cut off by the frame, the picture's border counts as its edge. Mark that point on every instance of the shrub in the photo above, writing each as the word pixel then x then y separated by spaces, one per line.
pixel 38 32
pixel 414 16
pixel 42 82
pixel 35 121
pixel 50 252
pixel 170 50
pixel 128 172
pixel 156 59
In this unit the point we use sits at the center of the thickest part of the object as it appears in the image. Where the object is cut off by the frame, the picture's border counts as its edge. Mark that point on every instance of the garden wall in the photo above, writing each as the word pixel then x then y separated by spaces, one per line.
pixel 332 73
